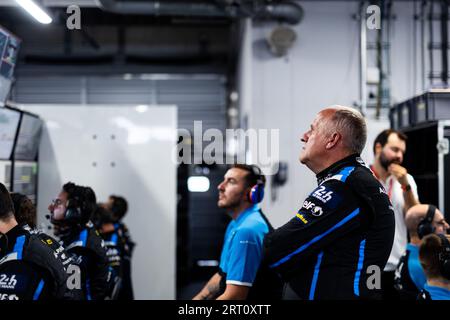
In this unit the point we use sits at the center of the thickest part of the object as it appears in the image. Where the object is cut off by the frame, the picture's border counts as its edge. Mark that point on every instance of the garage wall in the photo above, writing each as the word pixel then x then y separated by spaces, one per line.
pixel 321 69
pixel 198 97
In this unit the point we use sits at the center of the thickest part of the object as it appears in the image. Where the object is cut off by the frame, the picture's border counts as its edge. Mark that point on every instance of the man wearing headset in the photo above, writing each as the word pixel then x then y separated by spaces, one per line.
pixel 337 244
pixel 29 268
pixel 70 214
pixel 434 254
pixel 421 220
pixel 240 274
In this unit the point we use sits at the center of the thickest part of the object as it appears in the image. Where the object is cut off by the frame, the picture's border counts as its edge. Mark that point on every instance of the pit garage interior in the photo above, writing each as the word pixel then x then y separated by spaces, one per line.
pixel 108 88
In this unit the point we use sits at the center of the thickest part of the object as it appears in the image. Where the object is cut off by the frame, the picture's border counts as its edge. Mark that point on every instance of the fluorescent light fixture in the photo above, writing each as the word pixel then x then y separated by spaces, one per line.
pixel 141 108
pixel 207 263
pixel 198 184
pixel 127 76
pixel 33 9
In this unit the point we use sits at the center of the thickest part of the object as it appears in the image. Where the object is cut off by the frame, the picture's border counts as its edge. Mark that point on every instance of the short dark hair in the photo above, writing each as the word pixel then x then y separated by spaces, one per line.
pixel 119 206
pixel 254 174
pixel 6 204
pixel 102 215
pixel 384 135
pixel 84 197
pixel 429 252
pixel 24 209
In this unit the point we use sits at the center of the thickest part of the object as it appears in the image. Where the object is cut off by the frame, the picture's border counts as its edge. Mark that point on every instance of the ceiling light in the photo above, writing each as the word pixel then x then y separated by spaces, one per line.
pixel 37 12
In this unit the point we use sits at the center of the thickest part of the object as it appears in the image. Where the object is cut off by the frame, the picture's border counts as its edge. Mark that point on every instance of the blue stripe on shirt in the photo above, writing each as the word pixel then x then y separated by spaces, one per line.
pixel 18 247
pixel 317 238
pixel 38 291
pixel 346 173
pixel 315 276
pixel 359 268
pixel 83 237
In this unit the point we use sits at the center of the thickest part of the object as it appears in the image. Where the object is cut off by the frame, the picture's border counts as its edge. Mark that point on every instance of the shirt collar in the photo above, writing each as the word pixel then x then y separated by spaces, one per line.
pixel 13 234
pixel 352 160
pixel 246 213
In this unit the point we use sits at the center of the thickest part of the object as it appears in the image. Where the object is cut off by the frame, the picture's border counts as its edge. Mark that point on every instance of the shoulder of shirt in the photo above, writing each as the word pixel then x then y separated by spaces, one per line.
pixel 348 173
pixel 252 226
pixel 364 175
pixel 48 240
pixel 94 238
pixel 247 233
pixel 411 178
pixel 42 255
pixel 37 249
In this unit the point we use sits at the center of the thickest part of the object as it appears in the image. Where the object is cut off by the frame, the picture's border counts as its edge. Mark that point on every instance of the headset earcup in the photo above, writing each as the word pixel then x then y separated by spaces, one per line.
pixel 73 214
pixel 424 229
pixel 256 193
pixel 425 226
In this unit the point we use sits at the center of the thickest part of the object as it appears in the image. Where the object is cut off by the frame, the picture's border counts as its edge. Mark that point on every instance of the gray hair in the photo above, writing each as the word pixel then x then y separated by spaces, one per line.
pixel 351 125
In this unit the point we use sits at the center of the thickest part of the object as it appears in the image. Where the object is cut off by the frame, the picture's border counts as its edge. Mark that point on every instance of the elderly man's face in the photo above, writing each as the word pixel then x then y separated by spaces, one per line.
pixel 314 139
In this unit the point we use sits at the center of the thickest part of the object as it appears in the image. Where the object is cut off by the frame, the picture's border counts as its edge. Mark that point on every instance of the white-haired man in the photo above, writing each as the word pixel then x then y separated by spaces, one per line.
pixel 339 241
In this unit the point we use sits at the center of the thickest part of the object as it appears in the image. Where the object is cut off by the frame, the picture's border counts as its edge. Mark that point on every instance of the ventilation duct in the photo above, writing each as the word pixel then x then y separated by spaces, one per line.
pixel 288 12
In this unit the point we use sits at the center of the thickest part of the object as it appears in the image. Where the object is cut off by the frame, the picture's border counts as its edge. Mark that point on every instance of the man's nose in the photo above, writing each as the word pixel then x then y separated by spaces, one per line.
pixel 220 187
pixel 304 138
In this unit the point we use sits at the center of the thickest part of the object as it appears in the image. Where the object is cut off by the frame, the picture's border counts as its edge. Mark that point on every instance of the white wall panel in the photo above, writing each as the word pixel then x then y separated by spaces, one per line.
pixel 118 150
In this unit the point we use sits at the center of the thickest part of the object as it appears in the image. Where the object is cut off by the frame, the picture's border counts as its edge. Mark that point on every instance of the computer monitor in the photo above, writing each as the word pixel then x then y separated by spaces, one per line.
pixel 9 50
pixel 9 123
pixel 28 139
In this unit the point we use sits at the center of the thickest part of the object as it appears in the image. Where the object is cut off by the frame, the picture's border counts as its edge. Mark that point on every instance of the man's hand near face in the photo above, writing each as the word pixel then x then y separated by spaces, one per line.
pixel 400 173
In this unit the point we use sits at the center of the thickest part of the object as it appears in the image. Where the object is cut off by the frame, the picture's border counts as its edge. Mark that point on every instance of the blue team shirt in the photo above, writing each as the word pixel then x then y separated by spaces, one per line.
pixel 415 268
pixel 437 293
pixel 243 247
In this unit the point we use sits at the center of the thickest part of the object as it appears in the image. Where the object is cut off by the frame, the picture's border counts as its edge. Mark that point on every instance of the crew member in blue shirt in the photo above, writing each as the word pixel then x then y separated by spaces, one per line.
pixel 241 275
pixel 421 220
pixel 434 255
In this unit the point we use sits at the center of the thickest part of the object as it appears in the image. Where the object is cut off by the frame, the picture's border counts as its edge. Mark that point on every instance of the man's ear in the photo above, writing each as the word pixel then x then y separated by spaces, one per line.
pixel 333 140
pixel 246 193
pixel 378 148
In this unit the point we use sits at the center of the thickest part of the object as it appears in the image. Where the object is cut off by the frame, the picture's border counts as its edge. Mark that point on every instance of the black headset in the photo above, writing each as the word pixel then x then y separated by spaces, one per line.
pixel 76 206
pixel 256 193
pixel 73 209
pixel 444 257
pixel 426 225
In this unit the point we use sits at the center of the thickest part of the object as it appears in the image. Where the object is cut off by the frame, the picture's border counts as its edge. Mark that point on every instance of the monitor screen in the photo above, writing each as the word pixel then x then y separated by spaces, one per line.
pixel 9 49
pixel 28 139
pixel 9 123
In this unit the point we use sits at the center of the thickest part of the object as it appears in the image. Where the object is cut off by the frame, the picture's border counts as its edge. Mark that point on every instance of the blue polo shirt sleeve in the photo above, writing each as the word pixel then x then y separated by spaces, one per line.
pixel 245 257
